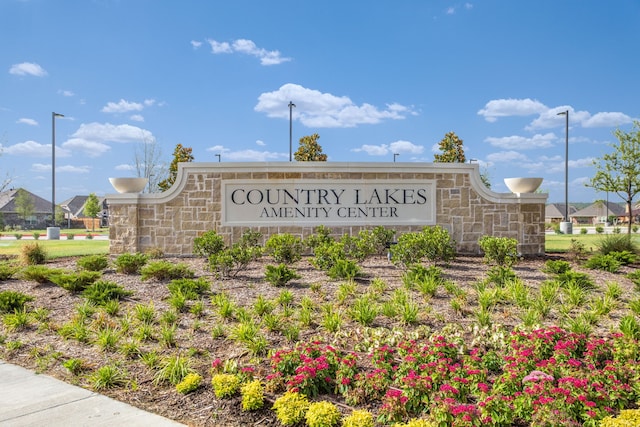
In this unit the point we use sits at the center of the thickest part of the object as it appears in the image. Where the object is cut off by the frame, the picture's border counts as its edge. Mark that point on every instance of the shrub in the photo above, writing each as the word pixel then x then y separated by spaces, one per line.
pixel 616 243
pixel 70 236
pixel 36 235
pixel 583 230
pixel 280 275
pixel 627 418
pixel 604 263
pixel 130 263
pixel 10 301
pixel 93 262
pixel 556 266
pixel 165 270
pixel 174 369
pixel 252 395
pixel 326 254
pixel 191 288
pixel 7 271
pixel 190 383
pixel 225 385
pixel 344 269
pixel 634 276
pixel 576 278
pixel 358 418
pixel 322 414
pixel 624 257
pixel 285 248
pixel 418 273
pixel 500 250
pixel 75 282
pixel 322 236
pixel 154 253
pixel 291 408
pixel 33 254
pixel 231 261
pixel 432 243
pixel 599 229
pixel 500 275
pixel 102 291
pixel 39 273
pixel 209 243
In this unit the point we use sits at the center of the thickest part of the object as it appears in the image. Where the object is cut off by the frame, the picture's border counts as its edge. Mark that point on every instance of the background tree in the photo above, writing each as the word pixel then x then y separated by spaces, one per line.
pixel 310 150
pixel 452 151
pixel 25 206
pixel 59 215
pixel 91 209
pixel 148 163
pixel 180 154
pixel 619 171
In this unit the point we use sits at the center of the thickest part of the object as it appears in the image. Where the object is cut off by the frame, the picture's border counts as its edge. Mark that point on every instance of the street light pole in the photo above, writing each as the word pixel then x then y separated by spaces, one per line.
pixel 566 170
pixel 291 105
pixel 394 156
pixel 53 166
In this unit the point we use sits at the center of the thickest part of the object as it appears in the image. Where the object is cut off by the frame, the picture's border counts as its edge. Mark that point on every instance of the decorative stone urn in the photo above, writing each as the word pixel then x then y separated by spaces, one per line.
pixel 128 185
pixel 523 185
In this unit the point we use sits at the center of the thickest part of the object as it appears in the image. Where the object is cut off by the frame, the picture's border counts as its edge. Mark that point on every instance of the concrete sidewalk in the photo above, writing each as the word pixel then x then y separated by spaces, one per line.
pixel 29 399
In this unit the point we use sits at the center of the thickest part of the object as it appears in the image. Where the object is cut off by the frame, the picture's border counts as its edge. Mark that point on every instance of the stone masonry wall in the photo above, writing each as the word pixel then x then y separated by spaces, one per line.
pixel 464 206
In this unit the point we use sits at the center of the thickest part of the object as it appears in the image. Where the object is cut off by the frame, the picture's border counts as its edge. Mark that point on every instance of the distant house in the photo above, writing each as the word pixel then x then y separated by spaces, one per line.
pixel 74 216
pixel 554 212
pixel 40 218
pixel 597 213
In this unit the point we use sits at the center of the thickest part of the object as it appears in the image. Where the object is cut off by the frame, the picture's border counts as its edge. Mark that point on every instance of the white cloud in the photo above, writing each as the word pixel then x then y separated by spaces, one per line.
pixel 451 11
pixel 29 122
pixel 67 93
pixel 506 156
pixel 247 155
pixel 324 110
pixel 406 147
pixel 27 68
pixel 114 133
pixel 196 44
pixel 607 120
pixel 468 6
pixel 122 107
pixel 373 150
pixel 89 148
pixel 40 167
pixel 516 142
pixel 248 47
pixel 260 143
pixel 34 149
pixel 511 107
pixel 125 167
pixel 137 118
pixel 73 169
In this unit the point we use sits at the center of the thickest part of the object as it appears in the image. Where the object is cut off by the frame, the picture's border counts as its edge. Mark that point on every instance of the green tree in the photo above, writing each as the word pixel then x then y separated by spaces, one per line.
pixel 452 151
pixel 310 150
pixel 91 209
pixel 59 215
pixel 180 154
pixel 619 171
pixel 25 206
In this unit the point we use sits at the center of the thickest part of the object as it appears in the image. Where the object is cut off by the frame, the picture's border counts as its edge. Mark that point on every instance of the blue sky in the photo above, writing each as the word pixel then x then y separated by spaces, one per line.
pixel 373 78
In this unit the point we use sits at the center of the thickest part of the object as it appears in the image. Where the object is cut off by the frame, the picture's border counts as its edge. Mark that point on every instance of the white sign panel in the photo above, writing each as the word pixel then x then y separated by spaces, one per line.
pixel 302 202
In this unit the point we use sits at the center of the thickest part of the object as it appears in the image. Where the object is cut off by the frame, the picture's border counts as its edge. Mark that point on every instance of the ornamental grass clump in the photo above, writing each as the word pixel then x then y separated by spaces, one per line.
pixel 165 270
pixel 33 254
pixel 291 408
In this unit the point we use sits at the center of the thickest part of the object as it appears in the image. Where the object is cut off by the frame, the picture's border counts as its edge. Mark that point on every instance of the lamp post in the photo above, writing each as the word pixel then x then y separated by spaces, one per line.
pixel 54 233
pixel 394 156
pixel 219 156
pixel 565 227
pixel 291 105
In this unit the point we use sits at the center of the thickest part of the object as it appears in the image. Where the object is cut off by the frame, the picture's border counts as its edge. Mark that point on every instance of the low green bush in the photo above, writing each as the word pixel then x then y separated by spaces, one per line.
pixel 130 263
pixel 556 266
pixel 321 236
pixel 39 273
pixel 75 282
pixel 280 275
pixel 93 262
pixel 345 269
pixel 10 301
pixel 616 243
pixel 103 291
pixel 433 244
pixel 165 270
pixel 231 261
pixel 7 270
pixel 603 262
pixel 502 251
pixel 190 288
pixel 209 243
pixel 285 248
pixel 291 408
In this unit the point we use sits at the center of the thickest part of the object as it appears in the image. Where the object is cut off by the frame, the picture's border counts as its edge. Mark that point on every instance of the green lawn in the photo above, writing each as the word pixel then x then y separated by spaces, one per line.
pixel 561 242
pixel 57 248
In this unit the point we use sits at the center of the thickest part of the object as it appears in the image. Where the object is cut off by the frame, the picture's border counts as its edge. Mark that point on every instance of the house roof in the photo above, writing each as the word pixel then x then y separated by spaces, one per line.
pixel 556 210
pixel 599 209
pixel 75 205
pixel 8 204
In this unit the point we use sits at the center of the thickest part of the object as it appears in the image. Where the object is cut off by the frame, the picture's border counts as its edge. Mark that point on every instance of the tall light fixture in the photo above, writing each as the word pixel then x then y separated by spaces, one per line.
pixel 53 166
pixel 566 164
pixel 291 105
pixel 394 156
